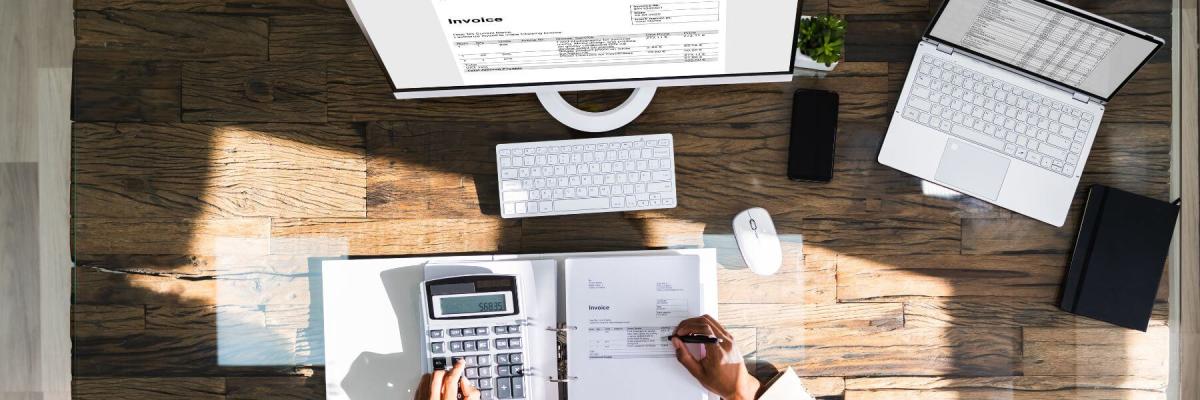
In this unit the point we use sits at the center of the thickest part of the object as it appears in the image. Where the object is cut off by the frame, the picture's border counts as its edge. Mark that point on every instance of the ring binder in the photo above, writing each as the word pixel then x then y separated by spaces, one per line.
pixel 563 380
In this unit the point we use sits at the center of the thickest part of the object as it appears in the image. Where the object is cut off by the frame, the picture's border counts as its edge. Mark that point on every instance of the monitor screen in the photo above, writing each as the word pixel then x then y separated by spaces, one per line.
pixel 429 45
pixel 1048 40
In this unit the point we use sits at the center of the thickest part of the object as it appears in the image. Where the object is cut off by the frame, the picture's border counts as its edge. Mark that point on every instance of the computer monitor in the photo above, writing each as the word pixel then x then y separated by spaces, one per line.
pixel 446 48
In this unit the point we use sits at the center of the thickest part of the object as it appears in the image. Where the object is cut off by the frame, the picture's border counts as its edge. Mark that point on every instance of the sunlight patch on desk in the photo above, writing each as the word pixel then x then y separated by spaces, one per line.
pixel 268 298
pixel 283 171
pixel 934 190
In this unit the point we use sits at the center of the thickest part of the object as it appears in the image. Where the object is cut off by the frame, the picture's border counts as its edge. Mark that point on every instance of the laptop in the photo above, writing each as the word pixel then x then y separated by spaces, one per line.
pixel 1004 97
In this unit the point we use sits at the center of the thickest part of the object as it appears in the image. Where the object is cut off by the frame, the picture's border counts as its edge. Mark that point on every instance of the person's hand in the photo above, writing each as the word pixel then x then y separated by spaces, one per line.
pixel 442 385
pixel 721 370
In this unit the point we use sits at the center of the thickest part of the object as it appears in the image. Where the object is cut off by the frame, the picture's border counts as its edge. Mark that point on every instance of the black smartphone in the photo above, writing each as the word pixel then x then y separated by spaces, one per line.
pixel 814 133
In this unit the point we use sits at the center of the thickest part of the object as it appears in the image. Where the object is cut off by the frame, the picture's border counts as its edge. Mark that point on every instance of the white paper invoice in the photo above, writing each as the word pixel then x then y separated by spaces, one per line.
pixel 499 42
pixel 623 309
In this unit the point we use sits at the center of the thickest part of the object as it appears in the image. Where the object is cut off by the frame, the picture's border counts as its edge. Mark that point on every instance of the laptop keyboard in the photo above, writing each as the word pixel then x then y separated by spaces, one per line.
pixel 998 115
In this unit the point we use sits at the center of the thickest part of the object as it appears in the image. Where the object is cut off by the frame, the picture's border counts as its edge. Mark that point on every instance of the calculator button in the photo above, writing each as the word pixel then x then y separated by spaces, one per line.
pixel 456 347
pixel 504 388
pixel 514 343
pixel 437 347
pixel 481 345
pixel 435 333
pixel 502 359
pixel 455 332
pixel 439 363
pixel 501 344
pixel 514 329
pixel 500 330
pixel 455 360
pixel 484 361
pixel 518 388
pixel 484 372
pixel 468 345
pixel 515 358
pixel 471 373
pixel 503 371
pixel 486 394
pixel 515 370
pixel 481 331
pixel 472 361
pixel 485 383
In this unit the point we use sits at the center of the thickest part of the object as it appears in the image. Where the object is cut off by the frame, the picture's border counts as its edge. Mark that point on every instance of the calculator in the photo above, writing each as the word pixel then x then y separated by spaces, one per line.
pixel 479 319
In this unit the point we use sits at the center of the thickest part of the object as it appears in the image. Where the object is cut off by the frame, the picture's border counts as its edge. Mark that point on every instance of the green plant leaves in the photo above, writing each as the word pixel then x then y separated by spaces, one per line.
pixel 822 38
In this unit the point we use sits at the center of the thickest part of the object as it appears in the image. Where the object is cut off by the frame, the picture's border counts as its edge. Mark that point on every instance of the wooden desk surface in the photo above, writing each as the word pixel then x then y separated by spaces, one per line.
pixel 200 120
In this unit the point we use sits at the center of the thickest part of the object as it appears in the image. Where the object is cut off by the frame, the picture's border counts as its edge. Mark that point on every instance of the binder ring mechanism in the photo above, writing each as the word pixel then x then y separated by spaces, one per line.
pixel 561 328
pixel 562 380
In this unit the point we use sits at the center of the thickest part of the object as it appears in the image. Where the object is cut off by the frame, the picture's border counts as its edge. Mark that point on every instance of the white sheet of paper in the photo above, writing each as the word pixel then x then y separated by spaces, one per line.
pixel 622 309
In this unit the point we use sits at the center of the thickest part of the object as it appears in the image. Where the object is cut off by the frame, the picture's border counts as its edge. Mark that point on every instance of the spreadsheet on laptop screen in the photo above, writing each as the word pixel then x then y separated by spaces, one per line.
pixel 1045 40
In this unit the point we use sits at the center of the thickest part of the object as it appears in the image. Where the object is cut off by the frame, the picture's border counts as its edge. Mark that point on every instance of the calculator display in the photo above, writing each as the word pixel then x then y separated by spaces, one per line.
pixel 485 303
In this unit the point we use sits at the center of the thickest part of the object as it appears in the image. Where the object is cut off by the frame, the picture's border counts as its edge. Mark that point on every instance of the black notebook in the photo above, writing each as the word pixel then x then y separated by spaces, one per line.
pixel 1119 257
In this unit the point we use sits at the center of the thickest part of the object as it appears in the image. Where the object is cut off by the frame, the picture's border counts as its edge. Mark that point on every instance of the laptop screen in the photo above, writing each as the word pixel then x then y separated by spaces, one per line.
pixel 1047 39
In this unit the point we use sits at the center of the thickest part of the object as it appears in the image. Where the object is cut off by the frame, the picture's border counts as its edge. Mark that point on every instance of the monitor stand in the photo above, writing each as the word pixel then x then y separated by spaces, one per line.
pixel 603 121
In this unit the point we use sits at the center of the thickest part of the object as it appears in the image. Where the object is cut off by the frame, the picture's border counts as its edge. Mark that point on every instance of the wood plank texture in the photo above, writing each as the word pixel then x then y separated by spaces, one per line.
pixel 131 35
pixel 1013 388
pixel 269 124
pixel 149 388
pixel 185 170
pixel 1187 272
pixel 20 343
pixel 899 352
pixel 259 92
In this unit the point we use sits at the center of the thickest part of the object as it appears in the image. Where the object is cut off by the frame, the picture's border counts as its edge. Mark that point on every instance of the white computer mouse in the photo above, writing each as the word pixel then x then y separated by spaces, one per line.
pixel 757 241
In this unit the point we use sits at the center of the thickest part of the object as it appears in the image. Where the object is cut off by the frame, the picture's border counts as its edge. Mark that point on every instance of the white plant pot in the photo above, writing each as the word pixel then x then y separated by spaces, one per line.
pixel 806 62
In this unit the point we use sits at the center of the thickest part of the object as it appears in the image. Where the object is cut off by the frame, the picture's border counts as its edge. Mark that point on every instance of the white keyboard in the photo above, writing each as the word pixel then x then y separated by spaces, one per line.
pixel 625 173
pixel 992 113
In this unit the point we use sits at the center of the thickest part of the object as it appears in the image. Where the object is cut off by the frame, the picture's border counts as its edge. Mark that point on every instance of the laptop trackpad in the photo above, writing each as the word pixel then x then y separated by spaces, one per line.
pixel 973 169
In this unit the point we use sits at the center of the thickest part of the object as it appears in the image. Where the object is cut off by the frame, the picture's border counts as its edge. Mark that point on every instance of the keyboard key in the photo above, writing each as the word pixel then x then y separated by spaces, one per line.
pixel 501 344
pixel 1059 141
pixel 500 329
pixel 435 333
pixel 486 394
pixel 484 360
pixel 514 343
pixel 504 388
pixel 518 388
pixel 977 137
pixel 439 363
pixel 503 371
pixel 515 358
pixel 455 332
pixel 471 373
pixel 502 359
pixel 437 347
pixel 1052 151
pixel 456 347
pixel 514 329
pixel 515 369
pixel 485 383
pixel 580 204
pixel 472 361
pixel 481 345
pixel 468 345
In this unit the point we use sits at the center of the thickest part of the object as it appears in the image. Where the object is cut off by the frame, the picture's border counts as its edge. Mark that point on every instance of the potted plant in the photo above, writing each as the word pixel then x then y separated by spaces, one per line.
pixel 820 42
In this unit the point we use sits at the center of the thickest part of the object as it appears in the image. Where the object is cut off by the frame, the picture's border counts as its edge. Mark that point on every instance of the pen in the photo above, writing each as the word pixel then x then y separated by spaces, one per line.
pixel 695 338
